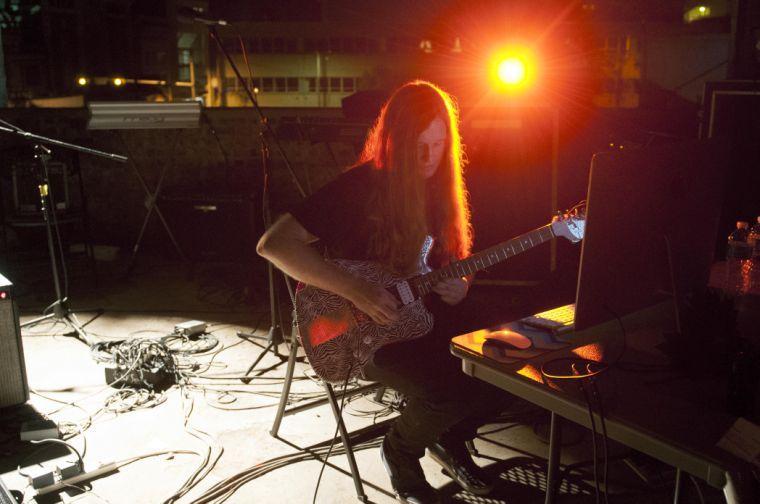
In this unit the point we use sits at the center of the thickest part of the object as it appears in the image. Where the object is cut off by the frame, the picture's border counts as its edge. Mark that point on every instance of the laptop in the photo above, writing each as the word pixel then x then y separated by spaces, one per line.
pixel 651 226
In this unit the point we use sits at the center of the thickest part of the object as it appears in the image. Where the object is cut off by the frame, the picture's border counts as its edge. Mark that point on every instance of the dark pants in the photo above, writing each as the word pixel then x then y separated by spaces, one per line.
pixel 442 401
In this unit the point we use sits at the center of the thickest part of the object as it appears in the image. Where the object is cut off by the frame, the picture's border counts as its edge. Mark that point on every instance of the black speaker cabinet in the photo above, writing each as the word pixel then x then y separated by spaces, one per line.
pixel 218 227
pixel 14 388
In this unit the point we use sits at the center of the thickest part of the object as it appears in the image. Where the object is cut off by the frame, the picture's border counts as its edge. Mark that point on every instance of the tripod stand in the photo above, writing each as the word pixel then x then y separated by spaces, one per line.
pixel 61 311
pixel 275 335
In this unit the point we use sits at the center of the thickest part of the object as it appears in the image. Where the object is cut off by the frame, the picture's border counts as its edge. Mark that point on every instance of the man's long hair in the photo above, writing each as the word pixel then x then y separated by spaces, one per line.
pixel 407 207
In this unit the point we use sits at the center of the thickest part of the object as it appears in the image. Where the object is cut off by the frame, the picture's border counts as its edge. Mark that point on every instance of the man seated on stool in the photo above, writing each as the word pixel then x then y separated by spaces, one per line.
pixel 404 201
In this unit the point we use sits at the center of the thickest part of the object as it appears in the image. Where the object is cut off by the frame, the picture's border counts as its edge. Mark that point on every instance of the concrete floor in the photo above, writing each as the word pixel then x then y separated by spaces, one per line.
pixel 215 411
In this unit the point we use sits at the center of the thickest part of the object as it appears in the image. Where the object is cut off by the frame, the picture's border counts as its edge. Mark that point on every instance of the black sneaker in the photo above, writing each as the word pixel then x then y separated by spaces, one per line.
pixel 459 466
pixel 407 479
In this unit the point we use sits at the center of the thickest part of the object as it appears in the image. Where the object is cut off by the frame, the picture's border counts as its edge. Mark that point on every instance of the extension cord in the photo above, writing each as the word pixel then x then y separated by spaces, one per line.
pixel 103 469
pixel 190 328
pixel 44 477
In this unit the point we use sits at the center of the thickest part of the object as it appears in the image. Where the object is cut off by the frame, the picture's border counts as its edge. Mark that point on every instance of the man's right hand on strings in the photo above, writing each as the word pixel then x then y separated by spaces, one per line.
pixel 375 301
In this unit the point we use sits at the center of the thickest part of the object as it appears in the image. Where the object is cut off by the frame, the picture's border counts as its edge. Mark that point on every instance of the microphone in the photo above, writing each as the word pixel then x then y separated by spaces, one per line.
pixel 191 14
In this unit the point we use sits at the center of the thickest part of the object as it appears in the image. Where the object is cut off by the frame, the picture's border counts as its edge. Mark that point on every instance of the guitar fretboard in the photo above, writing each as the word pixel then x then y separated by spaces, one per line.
pixel 484 259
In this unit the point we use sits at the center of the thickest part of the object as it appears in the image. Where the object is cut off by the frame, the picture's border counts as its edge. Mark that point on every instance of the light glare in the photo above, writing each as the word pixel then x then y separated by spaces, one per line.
pixel 511 71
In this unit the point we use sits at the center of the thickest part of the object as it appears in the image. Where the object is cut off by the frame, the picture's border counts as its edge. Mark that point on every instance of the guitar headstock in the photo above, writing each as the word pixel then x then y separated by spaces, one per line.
pixel 571 224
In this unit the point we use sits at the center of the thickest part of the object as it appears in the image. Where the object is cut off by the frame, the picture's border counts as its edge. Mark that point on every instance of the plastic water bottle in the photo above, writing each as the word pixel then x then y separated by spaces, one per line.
pixel 753 239
pixel 738 252
pixel 738 248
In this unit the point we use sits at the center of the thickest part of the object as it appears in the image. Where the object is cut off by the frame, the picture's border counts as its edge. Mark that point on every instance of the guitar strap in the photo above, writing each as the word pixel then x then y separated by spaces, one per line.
pixel 427 246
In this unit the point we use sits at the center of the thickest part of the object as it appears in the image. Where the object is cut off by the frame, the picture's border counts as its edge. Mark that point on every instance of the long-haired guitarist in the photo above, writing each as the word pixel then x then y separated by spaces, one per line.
pixel 403 202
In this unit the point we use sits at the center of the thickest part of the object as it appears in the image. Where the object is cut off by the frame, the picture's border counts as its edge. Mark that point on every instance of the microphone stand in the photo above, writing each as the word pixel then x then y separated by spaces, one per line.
pixel 60 307
pixel 275 335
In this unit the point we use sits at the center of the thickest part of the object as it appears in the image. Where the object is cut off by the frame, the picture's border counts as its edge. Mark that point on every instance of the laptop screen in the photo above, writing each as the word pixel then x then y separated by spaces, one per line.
pixel 651 225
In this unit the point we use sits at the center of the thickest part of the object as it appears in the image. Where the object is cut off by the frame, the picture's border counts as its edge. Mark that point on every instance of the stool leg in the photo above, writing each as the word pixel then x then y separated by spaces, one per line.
pixel 346 443
pixel 286 385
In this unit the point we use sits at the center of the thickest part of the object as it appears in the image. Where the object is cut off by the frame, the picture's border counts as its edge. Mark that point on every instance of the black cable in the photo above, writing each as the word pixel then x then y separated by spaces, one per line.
pixel 593 439
pixel 598 398
pixel 625 335
pixel 631 366
pixel 579 376
pixel 697 487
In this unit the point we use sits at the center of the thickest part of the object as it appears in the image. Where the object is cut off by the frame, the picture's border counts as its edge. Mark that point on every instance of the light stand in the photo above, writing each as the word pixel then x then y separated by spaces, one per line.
pixel 275 335
pixel 60 307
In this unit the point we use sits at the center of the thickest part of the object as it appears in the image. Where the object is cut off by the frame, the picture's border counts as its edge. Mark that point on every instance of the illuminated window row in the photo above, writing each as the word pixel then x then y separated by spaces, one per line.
pixel 339 45
pixel 297 84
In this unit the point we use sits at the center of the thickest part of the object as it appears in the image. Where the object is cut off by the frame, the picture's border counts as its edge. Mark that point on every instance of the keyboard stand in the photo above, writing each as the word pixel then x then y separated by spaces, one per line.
pixel 151 203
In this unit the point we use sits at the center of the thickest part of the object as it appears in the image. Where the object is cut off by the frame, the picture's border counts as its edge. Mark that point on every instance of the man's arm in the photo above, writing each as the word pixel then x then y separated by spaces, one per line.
pixel 287 244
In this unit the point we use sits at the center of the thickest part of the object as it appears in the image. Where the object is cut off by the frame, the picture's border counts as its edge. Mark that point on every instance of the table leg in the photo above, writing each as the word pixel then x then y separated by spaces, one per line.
pixel 555 445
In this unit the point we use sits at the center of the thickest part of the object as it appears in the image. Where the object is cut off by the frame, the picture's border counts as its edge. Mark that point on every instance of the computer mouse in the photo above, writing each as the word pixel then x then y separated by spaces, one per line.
pixel 510 339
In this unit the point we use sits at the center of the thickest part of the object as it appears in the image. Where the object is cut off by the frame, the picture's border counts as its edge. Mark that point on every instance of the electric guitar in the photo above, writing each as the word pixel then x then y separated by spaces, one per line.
pixel 339 339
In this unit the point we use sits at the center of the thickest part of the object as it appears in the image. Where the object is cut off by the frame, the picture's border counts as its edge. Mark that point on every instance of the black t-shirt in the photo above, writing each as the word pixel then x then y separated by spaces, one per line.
pixel 339 213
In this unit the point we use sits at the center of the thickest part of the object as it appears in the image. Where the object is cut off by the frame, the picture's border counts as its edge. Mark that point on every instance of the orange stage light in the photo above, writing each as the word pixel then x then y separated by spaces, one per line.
pixel 513 69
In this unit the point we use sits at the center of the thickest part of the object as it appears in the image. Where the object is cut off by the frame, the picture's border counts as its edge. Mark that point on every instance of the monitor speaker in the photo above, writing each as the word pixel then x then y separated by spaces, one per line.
pixel 14 388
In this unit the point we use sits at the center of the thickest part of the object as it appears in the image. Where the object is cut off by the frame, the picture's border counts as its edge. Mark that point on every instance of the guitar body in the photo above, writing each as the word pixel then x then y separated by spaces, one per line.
pixel 338 338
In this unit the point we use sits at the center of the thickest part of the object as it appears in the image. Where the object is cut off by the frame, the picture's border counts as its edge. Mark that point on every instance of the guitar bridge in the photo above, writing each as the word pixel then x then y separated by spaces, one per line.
pixel 405 292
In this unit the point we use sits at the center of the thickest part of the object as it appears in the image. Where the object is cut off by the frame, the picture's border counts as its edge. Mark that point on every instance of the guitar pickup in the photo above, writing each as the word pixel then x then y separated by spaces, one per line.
pixel 405 293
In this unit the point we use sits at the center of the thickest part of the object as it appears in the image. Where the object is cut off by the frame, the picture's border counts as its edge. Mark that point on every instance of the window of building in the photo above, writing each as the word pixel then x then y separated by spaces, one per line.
pixel 323 84
pixel 292 84
pixel 309 45
pixel 267 84
pixel 348 85
pixel 312 84
pixel 335 84
pixel 266 45
pixel 349 45
pixel 279 84
pixel 278 45
pixel 291 45
pixel 230 83
pixel 336 45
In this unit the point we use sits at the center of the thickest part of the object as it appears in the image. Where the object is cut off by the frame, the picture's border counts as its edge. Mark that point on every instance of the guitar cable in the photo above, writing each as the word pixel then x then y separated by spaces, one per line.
pixel 589 374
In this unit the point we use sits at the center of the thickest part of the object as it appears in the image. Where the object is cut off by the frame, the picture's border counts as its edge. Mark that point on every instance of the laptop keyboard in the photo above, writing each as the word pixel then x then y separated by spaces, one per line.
pixel 553 319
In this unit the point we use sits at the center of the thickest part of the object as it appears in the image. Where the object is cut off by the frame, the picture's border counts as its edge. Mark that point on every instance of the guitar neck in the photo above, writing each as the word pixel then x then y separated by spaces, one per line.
pixel 423 284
